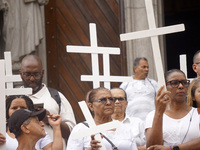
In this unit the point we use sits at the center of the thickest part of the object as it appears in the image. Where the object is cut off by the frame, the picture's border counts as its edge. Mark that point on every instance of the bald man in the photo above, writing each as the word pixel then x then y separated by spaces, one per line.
pixel 32 74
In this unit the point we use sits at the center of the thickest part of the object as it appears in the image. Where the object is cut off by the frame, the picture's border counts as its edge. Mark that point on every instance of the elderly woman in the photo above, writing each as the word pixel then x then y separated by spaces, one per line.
pixel 136 124
pixel 17 102
pixel 101 104
pixel 177 127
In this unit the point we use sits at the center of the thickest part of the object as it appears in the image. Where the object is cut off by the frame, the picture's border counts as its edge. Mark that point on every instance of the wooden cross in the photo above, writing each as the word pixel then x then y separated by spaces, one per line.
pixel 183 65
pixel 95 50
pixel 93 129
pixel 7 89
pixel 153 33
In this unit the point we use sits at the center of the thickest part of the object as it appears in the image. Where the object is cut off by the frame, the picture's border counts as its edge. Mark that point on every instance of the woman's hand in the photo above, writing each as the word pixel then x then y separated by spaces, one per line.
pixel 2 139
pixel 158 147
pixel 162 99
pixel 94 143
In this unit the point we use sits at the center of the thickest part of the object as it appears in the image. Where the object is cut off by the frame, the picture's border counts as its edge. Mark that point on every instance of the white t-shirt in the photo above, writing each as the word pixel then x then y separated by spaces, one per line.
pixel 12 144
pixel 137 128
pixel 178 131
pixel 140 96
pixel 122 138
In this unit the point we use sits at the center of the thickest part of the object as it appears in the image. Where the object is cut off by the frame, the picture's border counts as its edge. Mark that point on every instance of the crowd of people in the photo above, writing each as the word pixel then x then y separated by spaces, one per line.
pixel 149 117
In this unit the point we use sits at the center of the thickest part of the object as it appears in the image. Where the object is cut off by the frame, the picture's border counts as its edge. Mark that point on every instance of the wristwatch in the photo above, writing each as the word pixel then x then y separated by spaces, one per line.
pixel 175 147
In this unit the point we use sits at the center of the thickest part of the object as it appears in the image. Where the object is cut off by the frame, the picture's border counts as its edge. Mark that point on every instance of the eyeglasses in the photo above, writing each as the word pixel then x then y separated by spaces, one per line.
pixel 120 99
pixel 35 75
pixel 175 83
pixel 104 100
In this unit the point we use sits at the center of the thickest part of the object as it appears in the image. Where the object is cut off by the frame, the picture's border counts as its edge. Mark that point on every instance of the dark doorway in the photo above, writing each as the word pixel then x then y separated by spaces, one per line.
pixel 187 42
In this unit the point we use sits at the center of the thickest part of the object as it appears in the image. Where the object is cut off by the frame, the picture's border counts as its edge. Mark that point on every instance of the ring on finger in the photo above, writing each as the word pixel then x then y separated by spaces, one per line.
pixel 165 97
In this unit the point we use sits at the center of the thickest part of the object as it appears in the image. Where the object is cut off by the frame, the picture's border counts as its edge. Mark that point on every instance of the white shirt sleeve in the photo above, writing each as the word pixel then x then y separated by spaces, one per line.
pixel 123 85
pixel 78 144
pixel 66 112
pixel 41 143
pixel 149 120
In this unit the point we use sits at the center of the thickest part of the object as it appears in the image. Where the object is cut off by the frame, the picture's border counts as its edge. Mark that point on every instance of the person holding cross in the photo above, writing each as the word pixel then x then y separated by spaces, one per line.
pixel 101 103
pixel 141 91
pixel 176 128
pixel 54 102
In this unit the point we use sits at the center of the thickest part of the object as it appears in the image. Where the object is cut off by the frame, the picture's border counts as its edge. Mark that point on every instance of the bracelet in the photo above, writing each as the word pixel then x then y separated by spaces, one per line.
pixel 170 147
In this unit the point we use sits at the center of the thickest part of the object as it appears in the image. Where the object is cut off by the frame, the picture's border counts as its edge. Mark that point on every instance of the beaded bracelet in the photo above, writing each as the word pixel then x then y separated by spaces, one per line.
pixel 170 147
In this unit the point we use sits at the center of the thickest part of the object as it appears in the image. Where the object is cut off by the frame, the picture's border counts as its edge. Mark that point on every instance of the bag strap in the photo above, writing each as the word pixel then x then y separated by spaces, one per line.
pixel 55 95
pixel 113 146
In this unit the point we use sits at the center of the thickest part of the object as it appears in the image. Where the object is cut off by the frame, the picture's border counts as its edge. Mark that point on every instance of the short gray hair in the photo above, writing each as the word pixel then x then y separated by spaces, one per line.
pixel 137 60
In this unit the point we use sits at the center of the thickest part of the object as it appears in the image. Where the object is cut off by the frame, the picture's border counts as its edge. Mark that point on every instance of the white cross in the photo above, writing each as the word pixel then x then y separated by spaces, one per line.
pixel 7 79
pixel 8 67
pixel 95 50
pixel 93 129
pixel 153 33
pixel 183 65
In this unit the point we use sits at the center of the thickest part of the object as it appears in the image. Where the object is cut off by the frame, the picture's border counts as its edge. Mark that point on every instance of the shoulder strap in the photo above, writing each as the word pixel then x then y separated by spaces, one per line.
pixel 113 146
pixel 126 86
pixel 55 95
pixel 152 86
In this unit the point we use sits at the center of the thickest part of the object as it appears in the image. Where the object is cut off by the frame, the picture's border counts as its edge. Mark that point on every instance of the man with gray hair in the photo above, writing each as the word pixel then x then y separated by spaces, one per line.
pixel 141 91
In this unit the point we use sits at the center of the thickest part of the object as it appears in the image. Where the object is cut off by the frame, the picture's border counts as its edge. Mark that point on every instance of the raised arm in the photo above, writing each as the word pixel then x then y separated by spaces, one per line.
pixel 55 121
pixel 154 135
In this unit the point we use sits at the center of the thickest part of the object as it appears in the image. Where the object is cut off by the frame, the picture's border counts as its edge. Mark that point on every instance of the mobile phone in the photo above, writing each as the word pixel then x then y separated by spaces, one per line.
pixel 38 105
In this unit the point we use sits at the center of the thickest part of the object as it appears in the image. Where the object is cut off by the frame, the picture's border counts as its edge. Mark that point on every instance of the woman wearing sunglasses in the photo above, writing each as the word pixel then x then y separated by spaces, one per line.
pixel 136 124
pixel 176 127
pixel 101 104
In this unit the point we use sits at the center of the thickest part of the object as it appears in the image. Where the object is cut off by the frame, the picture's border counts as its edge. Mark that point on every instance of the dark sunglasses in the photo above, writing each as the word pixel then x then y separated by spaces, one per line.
pixel 104 100
pixel 120 99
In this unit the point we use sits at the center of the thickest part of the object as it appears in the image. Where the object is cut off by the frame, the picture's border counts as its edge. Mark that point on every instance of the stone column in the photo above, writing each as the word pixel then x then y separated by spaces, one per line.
pixel 41 50
pixel 136 20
